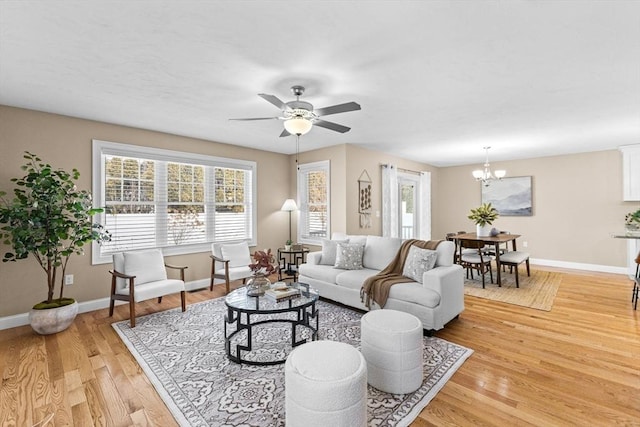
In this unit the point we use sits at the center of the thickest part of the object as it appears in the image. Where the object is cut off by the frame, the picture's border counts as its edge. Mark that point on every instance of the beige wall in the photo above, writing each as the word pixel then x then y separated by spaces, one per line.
pixel 577 204
pixel 577 198
pixel 65 142
pixel 360 159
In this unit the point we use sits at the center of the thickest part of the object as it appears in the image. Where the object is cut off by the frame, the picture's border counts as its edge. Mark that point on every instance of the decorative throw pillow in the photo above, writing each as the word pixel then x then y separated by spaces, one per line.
pixel 349 256
pixel 418 261
pixel 329 249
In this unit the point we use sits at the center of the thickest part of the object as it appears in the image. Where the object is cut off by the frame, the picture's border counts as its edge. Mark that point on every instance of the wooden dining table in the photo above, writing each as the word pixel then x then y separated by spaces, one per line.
pixel 493 240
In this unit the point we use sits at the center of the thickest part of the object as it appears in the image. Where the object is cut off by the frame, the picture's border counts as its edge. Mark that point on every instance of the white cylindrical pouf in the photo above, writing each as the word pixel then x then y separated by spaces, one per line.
pixel 325 385
pixel 391 343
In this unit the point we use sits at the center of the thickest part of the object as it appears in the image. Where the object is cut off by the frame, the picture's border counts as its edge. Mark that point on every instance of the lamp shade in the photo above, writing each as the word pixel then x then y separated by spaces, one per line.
pixel 289 205
pixel 297 126
pixel 478 174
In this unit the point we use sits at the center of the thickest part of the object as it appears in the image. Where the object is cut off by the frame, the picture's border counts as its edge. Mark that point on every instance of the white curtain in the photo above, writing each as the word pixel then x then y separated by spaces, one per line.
pixel 389 201
pixel 424 202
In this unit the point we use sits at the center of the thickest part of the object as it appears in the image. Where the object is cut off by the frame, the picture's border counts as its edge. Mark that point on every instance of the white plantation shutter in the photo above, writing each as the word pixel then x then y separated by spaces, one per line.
pixel 167 199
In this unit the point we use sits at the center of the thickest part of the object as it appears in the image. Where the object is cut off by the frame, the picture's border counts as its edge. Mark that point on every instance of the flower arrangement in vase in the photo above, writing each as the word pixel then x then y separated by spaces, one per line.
pixel 263 266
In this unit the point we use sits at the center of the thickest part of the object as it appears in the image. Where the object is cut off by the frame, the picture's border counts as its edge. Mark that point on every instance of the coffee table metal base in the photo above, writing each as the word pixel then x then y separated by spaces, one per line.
pixel 306 316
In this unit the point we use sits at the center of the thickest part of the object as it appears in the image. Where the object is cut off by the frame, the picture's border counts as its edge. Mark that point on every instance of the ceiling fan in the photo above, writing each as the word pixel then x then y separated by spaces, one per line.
pixel 300 116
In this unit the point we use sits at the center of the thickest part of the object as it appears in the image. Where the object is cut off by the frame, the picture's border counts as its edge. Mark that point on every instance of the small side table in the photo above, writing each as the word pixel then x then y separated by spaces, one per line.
pixel 289 260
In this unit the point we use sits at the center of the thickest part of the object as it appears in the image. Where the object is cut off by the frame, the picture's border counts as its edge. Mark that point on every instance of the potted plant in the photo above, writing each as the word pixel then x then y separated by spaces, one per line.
pixel 263 266
pixel 632 221
pixel 287 245
pixel 50 219
pixel 483 216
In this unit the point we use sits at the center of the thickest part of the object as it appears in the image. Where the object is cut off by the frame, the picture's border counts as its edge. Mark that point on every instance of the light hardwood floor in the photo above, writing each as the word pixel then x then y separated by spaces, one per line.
pixel 577 365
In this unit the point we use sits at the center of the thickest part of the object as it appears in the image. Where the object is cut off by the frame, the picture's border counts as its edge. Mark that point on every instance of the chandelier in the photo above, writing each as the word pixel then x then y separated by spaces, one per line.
pixel 485 175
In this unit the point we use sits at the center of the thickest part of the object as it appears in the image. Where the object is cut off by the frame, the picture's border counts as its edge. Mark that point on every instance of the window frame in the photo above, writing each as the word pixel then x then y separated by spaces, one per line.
pixel 303 213
pixel 102 148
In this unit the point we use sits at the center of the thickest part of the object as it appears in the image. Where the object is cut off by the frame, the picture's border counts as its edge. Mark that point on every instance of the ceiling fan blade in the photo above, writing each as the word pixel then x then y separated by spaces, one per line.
pixel 259 118
pixel 284 133
pixel 340 108
pixel 331 125
pixel 275 101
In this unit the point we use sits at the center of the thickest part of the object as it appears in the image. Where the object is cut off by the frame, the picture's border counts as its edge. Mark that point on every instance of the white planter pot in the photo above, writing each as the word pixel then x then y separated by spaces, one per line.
pixel 483 231
pixel 53 320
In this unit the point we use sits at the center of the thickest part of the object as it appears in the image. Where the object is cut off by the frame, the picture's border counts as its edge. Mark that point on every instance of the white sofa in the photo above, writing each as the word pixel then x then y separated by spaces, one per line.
pixel 435 301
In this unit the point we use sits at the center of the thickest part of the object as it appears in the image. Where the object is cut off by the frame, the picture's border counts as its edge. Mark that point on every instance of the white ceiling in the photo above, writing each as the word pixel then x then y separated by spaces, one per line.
pixel 437 80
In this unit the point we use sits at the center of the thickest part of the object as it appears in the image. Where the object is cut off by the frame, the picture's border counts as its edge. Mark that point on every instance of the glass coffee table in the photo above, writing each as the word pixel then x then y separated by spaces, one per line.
pixel 253 330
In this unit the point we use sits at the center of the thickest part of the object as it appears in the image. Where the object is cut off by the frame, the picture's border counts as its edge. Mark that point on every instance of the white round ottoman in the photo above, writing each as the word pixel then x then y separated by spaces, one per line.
pixel 325 385
pixel 391 343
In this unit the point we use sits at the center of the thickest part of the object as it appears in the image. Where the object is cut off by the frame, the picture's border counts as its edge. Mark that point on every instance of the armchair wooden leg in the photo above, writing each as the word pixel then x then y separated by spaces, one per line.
pixel 159 300
pixel 211 284
pixel 528 271
pixel 112 303
pixel 226 283
pixel 132 312
pixel 183 297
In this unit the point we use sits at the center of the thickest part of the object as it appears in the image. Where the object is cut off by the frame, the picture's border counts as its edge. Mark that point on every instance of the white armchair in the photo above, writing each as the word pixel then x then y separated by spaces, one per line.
pixel 230 262
pixel 142 275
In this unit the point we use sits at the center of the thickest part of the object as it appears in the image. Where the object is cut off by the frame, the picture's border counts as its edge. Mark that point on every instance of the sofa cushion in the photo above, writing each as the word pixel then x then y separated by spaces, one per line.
pixel 416 293
pixel 353 279
pixel 349 256
pixel 329 250
pixel 418 261
pixel 355 238
pixel 324 273
pixel 445 252
pixel 380 251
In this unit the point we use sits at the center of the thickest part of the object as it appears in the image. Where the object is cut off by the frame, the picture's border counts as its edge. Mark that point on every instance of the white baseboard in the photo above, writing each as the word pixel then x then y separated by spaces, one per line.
pixel 96 304
pixel 579 266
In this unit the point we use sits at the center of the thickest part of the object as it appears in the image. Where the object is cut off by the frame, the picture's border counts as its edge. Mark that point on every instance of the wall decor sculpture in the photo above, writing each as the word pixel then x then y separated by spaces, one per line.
pixel 364 202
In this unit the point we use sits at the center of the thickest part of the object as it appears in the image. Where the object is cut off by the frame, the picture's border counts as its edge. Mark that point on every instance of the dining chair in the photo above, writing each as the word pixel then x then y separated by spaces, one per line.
pixel 452 238
pixel 142 275
pixel 476 260
pixel 513 259
pixel 229 262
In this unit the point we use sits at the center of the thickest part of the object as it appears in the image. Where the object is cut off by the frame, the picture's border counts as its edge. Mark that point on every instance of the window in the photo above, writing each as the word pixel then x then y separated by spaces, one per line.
pixel 313 194
pixel 408 218
pixel 180 202
pixel 406 203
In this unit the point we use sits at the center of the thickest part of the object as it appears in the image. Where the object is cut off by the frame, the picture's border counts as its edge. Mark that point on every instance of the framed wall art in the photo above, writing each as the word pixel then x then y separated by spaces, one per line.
pixel 510 196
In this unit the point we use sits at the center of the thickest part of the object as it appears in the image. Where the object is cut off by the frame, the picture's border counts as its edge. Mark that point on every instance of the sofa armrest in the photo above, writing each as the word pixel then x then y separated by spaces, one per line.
pixel 448 282
pixel 314 257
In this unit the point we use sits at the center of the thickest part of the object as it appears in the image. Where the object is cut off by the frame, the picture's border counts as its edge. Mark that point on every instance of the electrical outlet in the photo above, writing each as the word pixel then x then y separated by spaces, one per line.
pixel 525 244
pixel 68 279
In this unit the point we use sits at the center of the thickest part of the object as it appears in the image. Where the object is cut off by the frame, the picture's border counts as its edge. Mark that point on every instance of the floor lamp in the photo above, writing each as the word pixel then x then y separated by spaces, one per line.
pixel 289 205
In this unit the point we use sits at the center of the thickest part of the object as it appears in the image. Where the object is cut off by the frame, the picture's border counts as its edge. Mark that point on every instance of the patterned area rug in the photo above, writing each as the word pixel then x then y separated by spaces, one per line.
pixel 183 356
pixel 537 291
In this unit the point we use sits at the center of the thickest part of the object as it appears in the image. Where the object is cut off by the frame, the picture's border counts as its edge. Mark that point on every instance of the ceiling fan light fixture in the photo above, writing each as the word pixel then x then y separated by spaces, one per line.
pixel 298 125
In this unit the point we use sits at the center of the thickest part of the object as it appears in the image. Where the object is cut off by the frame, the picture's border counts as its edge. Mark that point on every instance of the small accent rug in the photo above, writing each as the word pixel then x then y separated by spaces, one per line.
pixel 537 291
pixel 183 355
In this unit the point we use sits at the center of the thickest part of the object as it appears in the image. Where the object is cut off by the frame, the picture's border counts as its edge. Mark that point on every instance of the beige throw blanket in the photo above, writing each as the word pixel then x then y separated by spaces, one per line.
pixel 376 288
